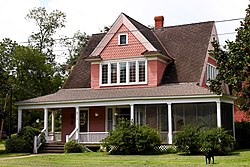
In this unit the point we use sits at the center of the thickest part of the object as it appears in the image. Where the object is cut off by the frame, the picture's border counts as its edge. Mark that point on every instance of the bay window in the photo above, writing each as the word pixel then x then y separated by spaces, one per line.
pixel 123 73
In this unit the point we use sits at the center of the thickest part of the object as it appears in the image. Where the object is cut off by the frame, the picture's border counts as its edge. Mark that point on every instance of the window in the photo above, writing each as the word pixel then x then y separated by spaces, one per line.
pixel 104 74
pixel 123 73
pixel 211 72
pixel 113 73
pixel 132 72
pixel 123 39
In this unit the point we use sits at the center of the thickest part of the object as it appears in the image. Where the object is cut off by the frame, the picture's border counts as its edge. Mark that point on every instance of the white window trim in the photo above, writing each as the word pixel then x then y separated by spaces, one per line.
pixel 127 73
pixel 119 35
pixel 215 74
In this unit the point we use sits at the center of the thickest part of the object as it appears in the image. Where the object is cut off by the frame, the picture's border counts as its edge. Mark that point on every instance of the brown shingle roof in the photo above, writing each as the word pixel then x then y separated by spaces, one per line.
pixel 81 94
pixel 188 44
pixel 80 75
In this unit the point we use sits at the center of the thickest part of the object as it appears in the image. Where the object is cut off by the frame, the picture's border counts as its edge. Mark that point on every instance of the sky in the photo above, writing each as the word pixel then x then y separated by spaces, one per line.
pixel 92 15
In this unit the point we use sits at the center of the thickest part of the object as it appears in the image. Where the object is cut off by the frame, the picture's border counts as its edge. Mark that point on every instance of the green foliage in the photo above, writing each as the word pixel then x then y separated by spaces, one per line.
pixel 233 64
pixel 242 134
pixel 188 139
pixel 218 140
pixel 48 24
pixel 74 46
pixel 23 141
pixel 73 147
pixel 130 138
pixel 194 140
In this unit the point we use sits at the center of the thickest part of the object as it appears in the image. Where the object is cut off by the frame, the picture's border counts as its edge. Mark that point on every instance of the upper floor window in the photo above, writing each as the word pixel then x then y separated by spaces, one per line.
pixel 211 72
pixel 123 73
pixel 123 39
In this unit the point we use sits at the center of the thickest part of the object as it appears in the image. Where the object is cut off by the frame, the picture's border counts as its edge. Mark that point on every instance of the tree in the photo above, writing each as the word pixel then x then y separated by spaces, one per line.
pixel 31 75
pixel 74 46
pixel 48 24
pixel 233 64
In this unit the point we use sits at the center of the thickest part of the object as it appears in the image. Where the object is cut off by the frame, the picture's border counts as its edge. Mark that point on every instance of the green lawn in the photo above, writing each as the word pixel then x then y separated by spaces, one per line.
pixel 240 158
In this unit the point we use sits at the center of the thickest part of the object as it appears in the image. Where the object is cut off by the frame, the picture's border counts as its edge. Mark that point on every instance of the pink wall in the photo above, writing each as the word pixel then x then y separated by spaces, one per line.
pixel 68 122
pixel 114 51
pixel 156 69
pixel 97 123
pixel 95 76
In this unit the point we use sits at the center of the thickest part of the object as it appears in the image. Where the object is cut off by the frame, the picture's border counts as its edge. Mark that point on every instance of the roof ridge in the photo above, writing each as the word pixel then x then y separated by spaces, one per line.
pixel 188 24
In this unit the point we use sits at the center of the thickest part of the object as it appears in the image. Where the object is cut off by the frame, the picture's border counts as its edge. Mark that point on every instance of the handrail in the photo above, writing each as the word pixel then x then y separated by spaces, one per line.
pixel 38 142
pixel 69 137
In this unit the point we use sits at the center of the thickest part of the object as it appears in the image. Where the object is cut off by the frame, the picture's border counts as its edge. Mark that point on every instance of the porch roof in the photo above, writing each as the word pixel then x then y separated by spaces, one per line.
pixel 168 90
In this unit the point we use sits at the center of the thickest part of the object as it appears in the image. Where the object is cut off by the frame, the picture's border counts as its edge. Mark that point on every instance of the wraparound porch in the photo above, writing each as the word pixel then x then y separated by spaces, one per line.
pixel 166 115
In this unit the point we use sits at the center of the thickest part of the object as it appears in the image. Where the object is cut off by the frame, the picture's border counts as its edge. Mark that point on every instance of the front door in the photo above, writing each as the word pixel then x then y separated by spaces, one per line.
pixel 84 120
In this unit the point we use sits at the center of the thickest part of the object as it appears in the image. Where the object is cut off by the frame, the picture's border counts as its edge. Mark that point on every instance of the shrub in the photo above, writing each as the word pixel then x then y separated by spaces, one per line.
pixel 218 140
pixel 242 134
pixel 130 138
pixel 73 147
pixel 23 141
pixel 188 140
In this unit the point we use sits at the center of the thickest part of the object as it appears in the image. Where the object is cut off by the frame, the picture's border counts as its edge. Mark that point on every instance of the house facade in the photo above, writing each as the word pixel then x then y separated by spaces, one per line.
pixel 156 76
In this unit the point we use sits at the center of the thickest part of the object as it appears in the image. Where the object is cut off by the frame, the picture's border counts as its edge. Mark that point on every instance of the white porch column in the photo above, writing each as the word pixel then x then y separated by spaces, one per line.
pixel 233 121
pixel 132 112
pixel 53 124
pixel 218 104
pixel 77 122
pixel 46 113
pixel 19 120
pixel 170 129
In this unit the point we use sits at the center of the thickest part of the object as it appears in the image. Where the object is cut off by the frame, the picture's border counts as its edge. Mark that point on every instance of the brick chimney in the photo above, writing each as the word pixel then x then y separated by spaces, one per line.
pixel 159 21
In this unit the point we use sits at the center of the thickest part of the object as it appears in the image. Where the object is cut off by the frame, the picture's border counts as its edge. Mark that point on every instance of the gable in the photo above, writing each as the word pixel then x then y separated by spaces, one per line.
pixel 113 50
pixel 122 20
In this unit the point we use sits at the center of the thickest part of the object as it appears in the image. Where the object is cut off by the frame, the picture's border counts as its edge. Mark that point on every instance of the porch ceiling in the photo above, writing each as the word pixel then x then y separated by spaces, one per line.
pixel 168 90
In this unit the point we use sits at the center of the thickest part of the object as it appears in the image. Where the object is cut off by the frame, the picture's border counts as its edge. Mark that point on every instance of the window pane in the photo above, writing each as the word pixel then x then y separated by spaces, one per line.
pixel 104 74
pixel 123 39
pixel 132 72
pixel 113 73
pixel 123 72
pixel 163 110
pixel 142 71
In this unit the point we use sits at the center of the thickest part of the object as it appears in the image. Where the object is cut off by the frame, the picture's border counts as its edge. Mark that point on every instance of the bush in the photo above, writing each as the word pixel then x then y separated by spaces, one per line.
pixel 194 140
pixel 130 138
pixel 73 147
pixel 23 141
pixel 242 134
pixel 218 140
pixel 188 140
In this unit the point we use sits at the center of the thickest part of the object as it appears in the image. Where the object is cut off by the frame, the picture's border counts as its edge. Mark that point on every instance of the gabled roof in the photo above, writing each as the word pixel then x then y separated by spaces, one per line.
pixel 187 44
pixel 141 32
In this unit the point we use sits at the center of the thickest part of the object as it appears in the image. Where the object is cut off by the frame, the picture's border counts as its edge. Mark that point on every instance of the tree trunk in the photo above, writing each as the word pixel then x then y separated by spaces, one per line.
pixel 4 110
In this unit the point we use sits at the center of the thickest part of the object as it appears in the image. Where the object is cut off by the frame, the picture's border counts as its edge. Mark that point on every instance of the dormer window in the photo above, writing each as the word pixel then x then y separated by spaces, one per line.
pixel 123 72
pixel 123 39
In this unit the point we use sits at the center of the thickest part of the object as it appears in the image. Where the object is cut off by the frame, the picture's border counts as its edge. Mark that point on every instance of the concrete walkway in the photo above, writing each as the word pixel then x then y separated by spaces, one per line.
pixel 17 157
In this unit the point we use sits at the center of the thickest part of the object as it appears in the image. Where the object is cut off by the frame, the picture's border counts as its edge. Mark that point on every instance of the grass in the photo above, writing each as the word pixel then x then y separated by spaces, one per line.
pixel 238 158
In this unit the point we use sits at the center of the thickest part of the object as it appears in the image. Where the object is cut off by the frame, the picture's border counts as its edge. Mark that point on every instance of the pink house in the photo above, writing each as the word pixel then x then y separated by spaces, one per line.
pixel 156 76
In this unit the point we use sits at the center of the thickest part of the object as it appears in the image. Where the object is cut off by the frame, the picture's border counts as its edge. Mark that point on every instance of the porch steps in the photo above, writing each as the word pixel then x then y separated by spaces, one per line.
pixel 55 147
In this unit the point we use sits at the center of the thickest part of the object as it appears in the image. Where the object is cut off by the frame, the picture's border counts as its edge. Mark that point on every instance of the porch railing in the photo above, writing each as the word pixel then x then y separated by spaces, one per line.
pixel 92 137
pixel 164 136
pixel 73 135
pixel 38 141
